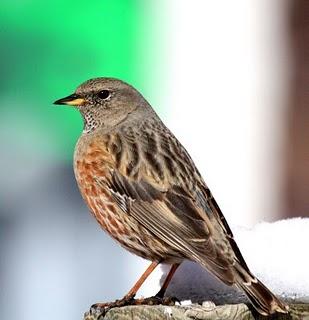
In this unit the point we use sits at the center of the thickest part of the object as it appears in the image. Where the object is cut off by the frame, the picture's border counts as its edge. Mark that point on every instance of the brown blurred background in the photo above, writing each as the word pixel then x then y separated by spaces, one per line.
pixel 296 172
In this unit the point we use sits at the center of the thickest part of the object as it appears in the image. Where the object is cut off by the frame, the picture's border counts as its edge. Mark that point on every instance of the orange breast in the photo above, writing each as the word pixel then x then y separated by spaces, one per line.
pixel 93 167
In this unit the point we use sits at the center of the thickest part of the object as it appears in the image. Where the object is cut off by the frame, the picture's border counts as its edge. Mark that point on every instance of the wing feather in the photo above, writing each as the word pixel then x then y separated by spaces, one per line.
pixel 172 216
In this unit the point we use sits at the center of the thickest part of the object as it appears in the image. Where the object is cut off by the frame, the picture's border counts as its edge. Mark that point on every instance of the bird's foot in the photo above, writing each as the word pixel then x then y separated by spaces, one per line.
pixel 103 308
pixel 155 300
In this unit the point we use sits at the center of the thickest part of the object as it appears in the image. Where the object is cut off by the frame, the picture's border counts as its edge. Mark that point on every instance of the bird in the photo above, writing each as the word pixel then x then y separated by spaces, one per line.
pixel 143 188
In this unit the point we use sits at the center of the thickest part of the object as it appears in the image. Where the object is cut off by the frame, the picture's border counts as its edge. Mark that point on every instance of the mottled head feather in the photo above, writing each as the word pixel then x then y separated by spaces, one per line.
pixel 108 101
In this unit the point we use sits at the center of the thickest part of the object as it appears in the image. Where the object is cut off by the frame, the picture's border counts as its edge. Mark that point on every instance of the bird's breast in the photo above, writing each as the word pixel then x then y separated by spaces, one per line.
pixel 92 163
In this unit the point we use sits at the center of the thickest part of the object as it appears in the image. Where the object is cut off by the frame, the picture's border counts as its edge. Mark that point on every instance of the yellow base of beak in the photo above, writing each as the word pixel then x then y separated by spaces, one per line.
pixel 75 102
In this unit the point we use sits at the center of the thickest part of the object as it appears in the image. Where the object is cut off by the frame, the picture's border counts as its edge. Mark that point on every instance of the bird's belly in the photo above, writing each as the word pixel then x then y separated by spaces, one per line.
pixel 127 231
pixel 122 227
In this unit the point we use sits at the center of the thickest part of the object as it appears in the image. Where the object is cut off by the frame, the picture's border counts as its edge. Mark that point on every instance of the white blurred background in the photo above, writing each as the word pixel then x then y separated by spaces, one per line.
pixel 227 70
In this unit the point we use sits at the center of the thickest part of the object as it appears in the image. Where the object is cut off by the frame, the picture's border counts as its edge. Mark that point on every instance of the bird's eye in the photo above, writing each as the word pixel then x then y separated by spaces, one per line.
pixel 104 94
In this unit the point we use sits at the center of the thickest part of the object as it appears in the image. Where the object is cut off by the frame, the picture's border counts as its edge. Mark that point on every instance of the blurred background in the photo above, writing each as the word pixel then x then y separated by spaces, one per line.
pixel 229 78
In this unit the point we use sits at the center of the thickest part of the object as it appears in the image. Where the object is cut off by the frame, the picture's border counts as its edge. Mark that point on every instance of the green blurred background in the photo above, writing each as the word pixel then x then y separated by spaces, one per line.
pixel 49 47
pixel 48 241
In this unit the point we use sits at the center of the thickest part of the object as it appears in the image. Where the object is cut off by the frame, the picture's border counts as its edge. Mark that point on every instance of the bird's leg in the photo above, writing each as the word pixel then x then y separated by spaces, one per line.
pixel 159 297
pixel 128 299
pixel 131 294
pixel 167 280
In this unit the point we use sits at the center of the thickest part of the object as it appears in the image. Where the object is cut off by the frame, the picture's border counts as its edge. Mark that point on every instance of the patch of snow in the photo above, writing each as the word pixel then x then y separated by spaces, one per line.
pixel 186 302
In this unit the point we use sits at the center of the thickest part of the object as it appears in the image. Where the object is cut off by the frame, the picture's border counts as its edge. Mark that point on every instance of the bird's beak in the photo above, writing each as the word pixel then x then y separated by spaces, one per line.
pixel 72 100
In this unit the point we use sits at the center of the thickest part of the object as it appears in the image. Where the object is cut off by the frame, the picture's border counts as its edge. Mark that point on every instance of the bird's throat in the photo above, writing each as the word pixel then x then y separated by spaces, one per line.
pixel 90 124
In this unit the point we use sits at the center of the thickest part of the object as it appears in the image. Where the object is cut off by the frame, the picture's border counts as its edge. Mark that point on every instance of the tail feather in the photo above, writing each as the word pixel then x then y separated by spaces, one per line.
pixel 262 298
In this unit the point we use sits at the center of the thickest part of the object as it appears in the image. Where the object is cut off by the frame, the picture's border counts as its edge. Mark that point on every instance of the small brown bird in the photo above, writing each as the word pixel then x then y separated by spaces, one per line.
pixel 143 188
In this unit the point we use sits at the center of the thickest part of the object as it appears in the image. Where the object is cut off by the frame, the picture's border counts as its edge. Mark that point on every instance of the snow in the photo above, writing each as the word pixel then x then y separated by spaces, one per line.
pixel 186 302
pixel 277 253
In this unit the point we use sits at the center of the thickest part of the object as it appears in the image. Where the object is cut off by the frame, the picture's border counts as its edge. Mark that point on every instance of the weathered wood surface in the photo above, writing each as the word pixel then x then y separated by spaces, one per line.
pixel 197 312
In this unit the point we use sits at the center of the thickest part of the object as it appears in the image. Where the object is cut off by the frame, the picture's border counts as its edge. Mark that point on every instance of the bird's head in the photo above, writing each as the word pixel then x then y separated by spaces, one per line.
pixel 104 102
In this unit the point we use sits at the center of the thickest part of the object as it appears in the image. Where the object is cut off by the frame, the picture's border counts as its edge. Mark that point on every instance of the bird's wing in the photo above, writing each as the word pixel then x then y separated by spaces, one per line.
pixel 173 216
pixel 205 197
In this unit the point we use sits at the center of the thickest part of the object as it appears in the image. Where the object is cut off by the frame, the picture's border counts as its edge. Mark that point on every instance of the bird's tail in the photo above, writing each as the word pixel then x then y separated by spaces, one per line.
pixel 262 299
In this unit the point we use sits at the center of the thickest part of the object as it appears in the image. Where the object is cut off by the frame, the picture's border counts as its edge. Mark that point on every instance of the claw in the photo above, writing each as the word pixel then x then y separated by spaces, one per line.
pixel 103 308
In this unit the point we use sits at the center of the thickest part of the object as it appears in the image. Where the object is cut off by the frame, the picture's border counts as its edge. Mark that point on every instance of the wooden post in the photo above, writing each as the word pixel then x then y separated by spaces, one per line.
pixel 197 312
